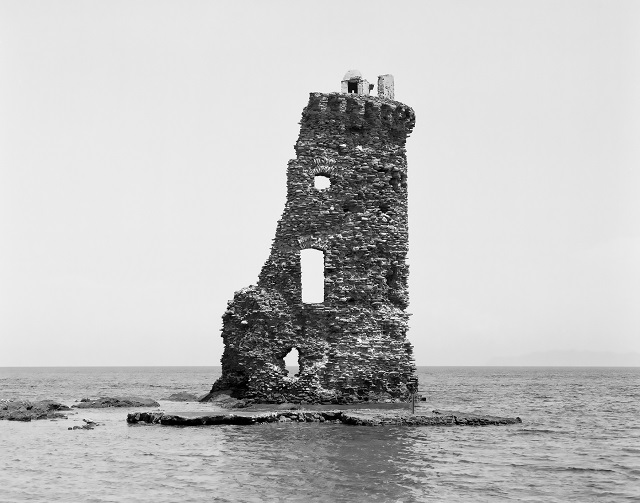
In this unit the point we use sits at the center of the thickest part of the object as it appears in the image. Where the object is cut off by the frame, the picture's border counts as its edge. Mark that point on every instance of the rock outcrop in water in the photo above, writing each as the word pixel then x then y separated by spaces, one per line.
pixel 347 206
pixel 25 410
pixel 105 402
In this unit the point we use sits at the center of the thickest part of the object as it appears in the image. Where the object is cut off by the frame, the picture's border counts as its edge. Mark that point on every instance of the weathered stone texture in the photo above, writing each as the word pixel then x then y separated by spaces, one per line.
pixel 353 346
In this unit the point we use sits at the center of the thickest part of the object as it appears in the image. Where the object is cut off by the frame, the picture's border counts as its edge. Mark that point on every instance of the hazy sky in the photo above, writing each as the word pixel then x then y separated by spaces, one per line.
pixel 143 153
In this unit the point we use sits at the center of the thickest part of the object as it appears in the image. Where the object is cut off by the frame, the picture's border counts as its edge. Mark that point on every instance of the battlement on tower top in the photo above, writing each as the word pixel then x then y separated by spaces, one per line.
pixel 338 118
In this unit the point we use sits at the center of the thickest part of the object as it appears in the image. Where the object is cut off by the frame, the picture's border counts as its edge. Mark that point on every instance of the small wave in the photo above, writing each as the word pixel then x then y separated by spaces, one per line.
pixel 530 431
pixel 583 469
pixel 561 469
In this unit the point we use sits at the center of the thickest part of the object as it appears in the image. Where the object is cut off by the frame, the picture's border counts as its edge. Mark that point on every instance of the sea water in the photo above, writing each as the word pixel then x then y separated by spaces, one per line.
pixel 579 441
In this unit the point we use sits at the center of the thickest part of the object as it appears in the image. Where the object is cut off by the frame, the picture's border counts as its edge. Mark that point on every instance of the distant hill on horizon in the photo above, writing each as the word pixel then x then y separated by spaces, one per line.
pixel 569 359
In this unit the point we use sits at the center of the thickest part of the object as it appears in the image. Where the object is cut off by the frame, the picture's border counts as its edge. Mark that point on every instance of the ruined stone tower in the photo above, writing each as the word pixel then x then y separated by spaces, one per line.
pixel 352 346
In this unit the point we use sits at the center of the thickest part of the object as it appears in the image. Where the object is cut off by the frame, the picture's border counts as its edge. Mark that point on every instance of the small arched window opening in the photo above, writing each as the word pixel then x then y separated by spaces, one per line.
pixel 352 86
pixel 312 275
pixel 321 182
pixel 292 362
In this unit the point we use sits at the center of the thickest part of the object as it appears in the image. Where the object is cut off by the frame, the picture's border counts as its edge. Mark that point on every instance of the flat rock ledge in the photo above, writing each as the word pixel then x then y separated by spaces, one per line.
pixel 360 418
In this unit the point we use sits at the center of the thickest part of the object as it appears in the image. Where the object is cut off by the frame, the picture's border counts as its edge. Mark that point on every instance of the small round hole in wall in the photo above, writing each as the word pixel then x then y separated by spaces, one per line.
pixel 321 182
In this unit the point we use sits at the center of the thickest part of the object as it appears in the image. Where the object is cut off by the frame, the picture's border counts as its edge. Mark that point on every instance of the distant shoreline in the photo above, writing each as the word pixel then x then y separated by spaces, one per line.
pixel 219 367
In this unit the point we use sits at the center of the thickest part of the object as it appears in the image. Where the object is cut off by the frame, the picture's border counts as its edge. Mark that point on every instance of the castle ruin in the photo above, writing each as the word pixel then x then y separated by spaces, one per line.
pixel 347 206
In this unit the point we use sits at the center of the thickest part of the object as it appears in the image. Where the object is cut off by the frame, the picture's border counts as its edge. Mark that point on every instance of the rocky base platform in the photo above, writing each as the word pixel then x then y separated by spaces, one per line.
pixel 359 417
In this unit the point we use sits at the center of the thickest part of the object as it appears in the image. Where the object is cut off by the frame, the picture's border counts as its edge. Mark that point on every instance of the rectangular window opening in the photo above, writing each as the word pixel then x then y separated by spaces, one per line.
pixel 312 275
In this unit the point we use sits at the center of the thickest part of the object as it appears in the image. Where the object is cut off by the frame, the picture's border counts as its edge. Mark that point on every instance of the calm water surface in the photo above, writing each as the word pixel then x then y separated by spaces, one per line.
pixel 579 441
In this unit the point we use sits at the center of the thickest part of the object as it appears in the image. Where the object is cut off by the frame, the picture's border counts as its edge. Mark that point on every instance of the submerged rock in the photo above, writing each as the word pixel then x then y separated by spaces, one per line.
pixel 182 396
pixel 226 400
pixel 25 410
pixel 107 401
pixel 89 425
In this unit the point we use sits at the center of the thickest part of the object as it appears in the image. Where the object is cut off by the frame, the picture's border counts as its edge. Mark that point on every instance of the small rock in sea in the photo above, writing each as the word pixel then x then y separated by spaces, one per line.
pixel 89 425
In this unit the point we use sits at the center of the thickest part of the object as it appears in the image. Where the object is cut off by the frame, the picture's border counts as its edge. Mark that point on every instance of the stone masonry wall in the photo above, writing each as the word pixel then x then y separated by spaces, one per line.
pixel 353 346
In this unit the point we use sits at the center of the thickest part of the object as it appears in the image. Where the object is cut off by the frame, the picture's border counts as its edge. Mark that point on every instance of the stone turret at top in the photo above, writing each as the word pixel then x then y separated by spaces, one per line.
pixel 354 83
